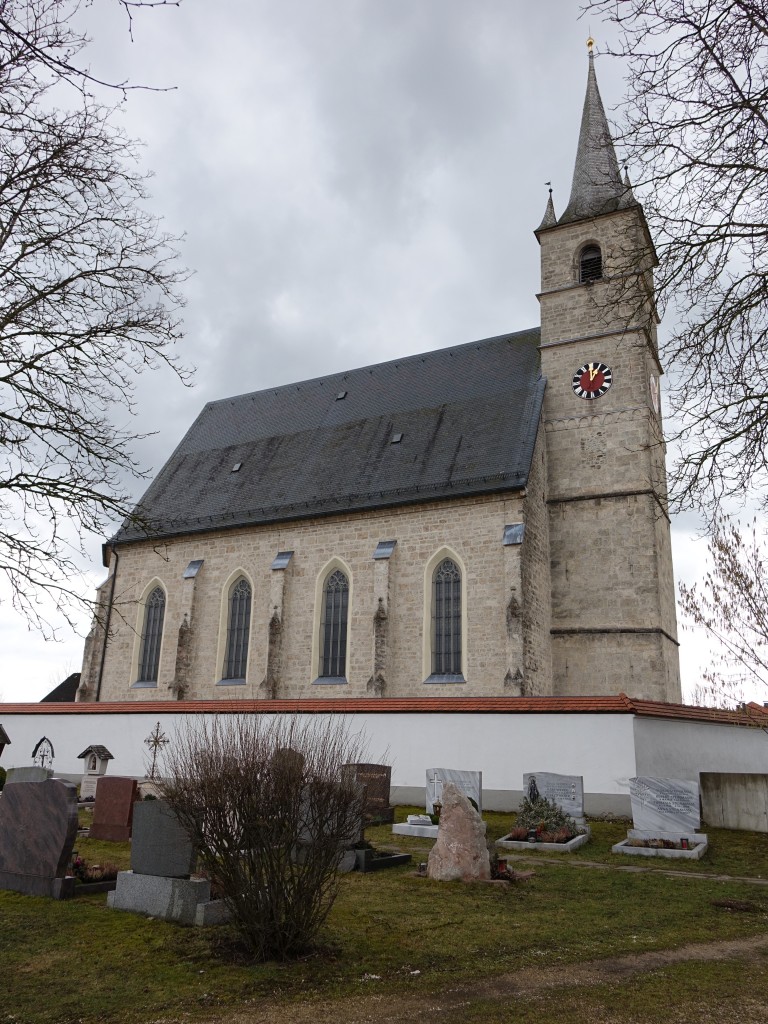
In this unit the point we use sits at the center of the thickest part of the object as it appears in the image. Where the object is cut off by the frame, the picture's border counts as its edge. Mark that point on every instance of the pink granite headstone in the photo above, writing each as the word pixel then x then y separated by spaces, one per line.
pixel 38 826
pixel 113 809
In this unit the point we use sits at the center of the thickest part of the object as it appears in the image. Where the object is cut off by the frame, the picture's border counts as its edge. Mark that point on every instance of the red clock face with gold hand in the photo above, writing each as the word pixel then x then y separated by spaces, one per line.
pixel 592 380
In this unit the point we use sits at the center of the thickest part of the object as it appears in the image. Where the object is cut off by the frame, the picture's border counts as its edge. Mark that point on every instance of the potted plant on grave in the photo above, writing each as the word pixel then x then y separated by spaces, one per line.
pixel 540 820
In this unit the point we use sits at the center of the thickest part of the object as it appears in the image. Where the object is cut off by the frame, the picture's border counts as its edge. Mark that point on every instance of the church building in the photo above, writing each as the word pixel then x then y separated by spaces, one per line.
pixel 487 520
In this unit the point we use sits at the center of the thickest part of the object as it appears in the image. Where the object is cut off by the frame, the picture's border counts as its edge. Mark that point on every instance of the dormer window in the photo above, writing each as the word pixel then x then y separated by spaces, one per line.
pixel 590 264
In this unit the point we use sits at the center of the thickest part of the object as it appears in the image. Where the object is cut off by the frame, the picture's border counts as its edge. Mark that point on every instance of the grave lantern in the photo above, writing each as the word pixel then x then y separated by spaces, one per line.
pixel 94 760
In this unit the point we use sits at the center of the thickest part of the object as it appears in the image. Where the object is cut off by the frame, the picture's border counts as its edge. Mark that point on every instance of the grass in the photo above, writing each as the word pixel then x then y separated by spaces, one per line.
pixel 77 961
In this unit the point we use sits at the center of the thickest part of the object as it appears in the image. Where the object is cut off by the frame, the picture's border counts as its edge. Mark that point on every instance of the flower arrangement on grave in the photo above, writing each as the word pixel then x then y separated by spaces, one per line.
pixel 543 821
pixel 86 873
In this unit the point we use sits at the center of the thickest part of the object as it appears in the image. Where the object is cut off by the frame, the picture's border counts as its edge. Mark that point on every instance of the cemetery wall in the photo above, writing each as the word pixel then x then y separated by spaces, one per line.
pixel 607 749
pixel 666 748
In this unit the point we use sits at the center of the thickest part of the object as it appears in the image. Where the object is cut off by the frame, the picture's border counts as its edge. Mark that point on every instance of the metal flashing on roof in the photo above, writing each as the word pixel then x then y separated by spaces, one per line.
pixel 384 549
pixel 193 569
pixel 282 558
pixel 237 467
pixel 340 395
pixel 396 439
pixel 513 534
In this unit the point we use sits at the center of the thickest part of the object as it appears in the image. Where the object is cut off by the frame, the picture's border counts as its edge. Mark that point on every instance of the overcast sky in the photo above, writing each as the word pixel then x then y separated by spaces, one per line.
pixel 356 180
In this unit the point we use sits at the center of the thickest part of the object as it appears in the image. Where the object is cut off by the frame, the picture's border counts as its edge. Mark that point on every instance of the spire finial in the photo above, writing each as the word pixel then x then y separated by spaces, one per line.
pixel 590 44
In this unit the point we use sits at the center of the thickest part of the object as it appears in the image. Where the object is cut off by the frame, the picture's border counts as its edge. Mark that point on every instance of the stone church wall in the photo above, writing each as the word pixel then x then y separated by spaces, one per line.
pixel 470 530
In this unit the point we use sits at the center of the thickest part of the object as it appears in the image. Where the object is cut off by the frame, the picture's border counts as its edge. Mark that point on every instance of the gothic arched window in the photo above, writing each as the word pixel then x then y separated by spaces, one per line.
pixel 152 635
pixel 238 630
pixel 446 619
pixel 590 264
pixel 333 626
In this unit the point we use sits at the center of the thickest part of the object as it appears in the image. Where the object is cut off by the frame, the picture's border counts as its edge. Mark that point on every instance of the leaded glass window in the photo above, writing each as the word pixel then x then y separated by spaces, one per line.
pixel 446 619
pixel 238 630
pixel 154 613
pixel 333 629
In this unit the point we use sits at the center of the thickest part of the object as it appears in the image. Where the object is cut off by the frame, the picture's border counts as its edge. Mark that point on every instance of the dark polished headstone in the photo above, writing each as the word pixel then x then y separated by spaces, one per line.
pixel 38 826
pixel 113 809
pixel 160 845
pixel 377 779
pixel 27 773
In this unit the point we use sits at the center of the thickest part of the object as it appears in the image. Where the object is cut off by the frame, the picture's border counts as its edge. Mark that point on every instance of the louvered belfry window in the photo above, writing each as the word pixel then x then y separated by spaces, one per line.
pixel 333 631
pixel 154 613
pixel 238 630
pixel 591 264
pixel 446 619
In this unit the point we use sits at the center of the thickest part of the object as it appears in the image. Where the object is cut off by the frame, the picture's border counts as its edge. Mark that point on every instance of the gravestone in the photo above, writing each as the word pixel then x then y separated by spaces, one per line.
pixel 377 779
pixel 38 826
pixel 461 851
pixel 664 805
pixel 160 844
pixel 113 809
pixel 28 773
pixel 666 815
pixel 566 791
pixel 468 783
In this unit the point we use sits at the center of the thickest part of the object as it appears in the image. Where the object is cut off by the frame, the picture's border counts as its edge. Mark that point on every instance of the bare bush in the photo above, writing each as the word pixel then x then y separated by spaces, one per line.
pixel 270 809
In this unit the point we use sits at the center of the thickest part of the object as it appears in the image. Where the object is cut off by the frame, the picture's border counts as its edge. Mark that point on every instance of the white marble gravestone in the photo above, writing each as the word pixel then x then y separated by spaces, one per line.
pixel 665 805
pixel 468 783
pixel 567 791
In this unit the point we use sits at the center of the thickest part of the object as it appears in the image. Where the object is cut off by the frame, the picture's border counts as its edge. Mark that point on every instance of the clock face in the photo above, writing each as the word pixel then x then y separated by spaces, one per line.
pixel 592 380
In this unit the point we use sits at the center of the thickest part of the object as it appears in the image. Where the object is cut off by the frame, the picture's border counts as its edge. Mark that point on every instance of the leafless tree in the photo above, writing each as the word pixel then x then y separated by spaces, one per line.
pixel 694 128
pixel 88 300
pixel 732 606
pixel 270 809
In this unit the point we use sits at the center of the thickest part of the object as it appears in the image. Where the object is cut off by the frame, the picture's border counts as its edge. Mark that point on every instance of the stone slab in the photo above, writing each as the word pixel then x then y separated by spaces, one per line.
pixel 737 800
pixel 38 827
pixel 665 805
pixel 522 844
pixel 28 773
pixel 468 783
pixel 88 787
pixel 170 899
pixel 159 844
pixel 417 831
pixel 212 913
pixel 698 850
pixel 113 809
pixel 567 791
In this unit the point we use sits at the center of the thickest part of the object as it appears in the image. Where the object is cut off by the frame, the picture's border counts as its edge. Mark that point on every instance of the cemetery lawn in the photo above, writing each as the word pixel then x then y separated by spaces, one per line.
pixel 571 943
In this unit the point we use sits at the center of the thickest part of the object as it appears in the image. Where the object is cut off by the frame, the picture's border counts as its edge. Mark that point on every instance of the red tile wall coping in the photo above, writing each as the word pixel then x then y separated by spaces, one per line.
pixel 748 715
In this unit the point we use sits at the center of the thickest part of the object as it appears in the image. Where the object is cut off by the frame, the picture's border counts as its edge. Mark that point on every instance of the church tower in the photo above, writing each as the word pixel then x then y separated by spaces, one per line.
pixel 613 608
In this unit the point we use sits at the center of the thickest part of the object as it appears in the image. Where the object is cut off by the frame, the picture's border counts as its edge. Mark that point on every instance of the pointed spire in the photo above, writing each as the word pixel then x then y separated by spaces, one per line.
pixel 597 186
pixel 549 214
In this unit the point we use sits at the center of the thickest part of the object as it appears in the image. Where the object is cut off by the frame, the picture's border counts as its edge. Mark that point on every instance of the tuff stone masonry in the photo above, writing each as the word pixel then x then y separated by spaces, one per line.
pixel 519 482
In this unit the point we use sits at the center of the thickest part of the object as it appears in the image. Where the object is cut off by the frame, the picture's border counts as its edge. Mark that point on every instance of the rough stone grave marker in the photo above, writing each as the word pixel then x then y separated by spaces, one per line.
pixel 567 791
pixel 38 826
pixel 113 809
pixel 460 851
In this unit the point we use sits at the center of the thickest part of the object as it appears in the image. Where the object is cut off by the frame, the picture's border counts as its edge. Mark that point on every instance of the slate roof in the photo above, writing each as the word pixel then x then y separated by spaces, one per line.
pixel 468 416
pixel 597 186
pixel 66 691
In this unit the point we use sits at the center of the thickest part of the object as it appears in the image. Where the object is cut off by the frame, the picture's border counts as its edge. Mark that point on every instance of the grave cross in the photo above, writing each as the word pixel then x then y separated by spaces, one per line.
pixel 155 741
